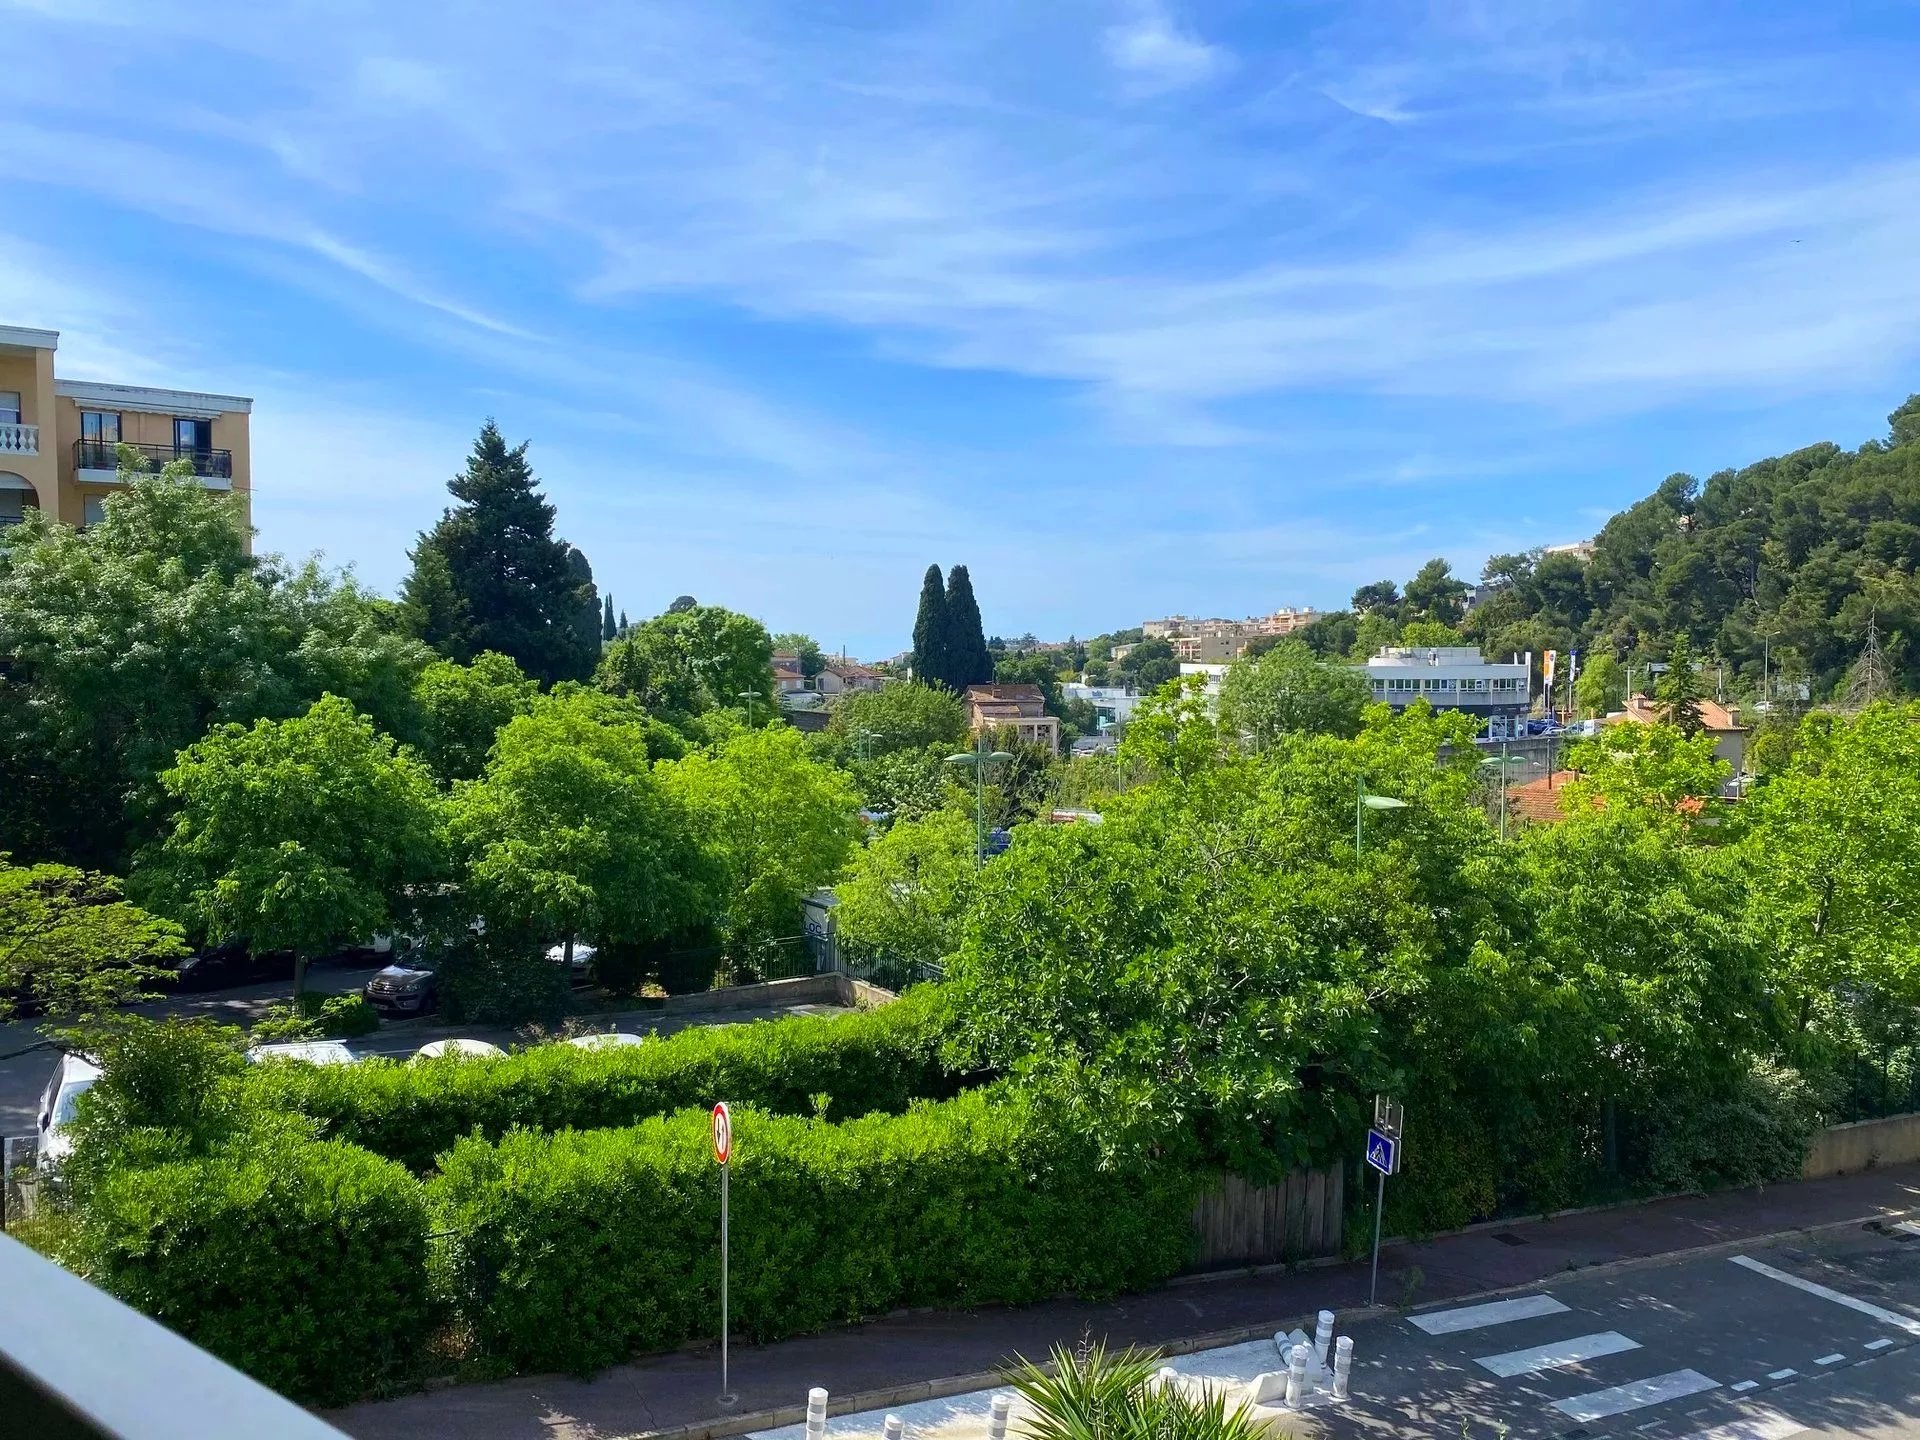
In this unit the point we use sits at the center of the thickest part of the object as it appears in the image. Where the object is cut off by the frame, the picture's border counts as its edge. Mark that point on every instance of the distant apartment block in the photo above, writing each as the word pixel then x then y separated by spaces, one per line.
pixel 60 438
pixel 1579 549
pixel 1228 637
pixel 1021 708
pixel 1454 677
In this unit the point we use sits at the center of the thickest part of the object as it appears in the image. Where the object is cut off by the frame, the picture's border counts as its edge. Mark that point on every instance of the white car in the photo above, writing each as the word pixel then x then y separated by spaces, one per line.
pixel 307 1052
pixel 71 1078
pixel 607 1040
pixel 460 1049
pixel 583 954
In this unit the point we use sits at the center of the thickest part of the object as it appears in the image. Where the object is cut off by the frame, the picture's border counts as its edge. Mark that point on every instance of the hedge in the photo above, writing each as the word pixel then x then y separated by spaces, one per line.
pixel 305 1265
pixel 574 1250
pixel 879 1059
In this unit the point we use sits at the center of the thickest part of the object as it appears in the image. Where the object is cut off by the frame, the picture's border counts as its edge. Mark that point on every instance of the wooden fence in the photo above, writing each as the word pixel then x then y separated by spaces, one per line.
pixel 1297 1219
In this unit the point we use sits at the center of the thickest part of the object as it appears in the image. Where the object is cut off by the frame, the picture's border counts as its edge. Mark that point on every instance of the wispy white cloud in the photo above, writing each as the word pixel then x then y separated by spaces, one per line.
pixel 1155 52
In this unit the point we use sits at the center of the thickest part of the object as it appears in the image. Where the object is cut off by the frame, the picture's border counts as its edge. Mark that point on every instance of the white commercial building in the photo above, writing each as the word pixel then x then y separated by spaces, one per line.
pixel 1455 677
pixel 1114 704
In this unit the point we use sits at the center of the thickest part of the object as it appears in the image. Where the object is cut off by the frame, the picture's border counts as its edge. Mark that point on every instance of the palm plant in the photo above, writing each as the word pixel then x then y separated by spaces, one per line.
pixel 1089 1394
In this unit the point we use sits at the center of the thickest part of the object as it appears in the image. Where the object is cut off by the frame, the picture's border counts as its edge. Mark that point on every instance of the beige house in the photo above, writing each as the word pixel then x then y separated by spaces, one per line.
pixel 1720 721
pixel 59 438
pixel 1021 708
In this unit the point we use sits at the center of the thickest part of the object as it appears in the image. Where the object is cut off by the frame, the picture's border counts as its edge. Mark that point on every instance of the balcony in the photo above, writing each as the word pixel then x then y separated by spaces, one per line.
pixel 19 439
pixel 98 461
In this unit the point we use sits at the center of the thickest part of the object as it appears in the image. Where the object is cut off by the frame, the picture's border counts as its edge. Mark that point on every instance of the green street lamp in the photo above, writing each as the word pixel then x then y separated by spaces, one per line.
pixel 979 758
pixel 863 739
pixel 749 696
pixel 1363 802
pixel 1504 763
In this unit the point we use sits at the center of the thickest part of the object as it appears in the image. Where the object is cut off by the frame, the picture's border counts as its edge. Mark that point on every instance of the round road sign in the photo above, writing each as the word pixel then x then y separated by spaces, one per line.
pixel 722 1133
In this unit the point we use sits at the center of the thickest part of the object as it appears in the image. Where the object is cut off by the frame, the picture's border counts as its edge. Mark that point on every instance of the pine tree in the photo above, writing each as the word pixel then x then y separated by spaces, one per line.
pixel 1679 690
pixel 518 590
pixel 969 661
pixel 931 662
pixel 607 628
pixel 1868 681
pixel 430 608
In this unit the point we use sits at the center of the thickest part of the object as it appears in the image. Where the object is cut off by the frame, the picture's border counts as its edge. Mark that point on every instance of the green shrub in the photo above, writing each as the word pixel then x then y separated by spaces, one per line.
pixel 874 1060
pixel 1752 1135
pixel 304 1265
pixel 346 1017
pixel 503 981
pixel 574 1250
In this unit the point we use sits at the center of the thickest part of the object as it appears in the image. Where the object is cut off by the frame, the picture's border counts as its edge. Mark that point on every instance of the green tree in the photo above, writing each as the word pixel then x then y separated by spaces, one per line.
pixel 462 708
pixel 968 659
pixel 304 834
pixel 1429 633
pixel 126 640
pixel 1149 665
pixel 1435 594
pixel 1679 690
pixel 779 824
pixel 932 636
pixel 1635 764
pixel 71 940
pixel 687 662
pixel 514 588
pixel 568 833
pixel 1290 689
pixel 1602 686
pixel 905 893
pixel 1382 597
pixel 608 629
pixel 905 715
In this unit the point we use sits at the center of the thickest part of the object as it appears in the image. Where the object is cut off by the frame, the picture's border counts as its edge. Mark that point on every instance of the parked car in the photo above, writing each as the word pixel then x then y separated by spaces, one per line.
pixel 607 1040
pixel 459 1049
pixel 305 1052
pixel 232 963
pixel 582 963
pixel 72 1078
pixel 408 985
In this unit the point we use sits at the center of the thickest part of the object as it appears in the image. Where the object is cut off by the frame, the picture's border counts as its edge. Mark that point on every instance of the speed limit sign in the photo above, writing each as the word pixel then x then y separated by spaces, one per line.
pixel 722 1133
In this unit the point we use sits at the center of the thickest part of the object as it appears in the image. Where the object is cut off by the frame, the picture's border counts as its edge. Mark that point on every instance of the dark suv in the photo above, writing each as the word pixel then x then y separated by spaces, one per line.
pixel 409 985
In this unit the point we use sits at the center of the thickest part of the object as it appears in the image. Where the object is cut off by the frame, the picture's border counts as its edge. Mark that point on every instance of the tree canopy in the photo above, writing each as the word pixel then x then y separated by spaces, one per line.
pixel 71 940
pixel 1289 689
pixel 687 662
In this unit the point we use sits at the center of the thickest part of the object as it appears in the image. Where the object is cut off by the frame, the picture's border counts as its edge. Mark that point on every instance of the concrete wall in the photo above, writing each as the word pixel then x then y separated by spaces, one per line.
pixel 829 989
pixel 1844 1149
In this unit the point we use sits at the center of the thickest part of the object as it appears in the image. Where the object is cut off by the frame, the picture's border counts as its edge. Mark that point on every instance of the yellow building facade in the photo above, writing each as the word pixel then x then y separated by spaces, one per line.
pixel 60 438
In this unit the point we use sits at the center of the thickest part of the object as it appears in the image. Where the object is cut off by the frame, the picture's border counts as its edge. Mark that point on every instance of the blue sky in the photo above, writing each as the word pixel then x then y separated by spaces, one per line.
pixel 1132 306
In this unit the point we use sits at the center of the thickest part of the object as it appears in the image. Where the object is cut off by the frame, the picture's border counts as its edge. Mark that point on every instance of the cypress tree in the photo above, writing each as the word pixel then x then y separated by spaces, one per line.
pixel 607 628
pixel 930 650
pixel 1680 690
pixel 969 661
pixel 514 587
pixel 623 622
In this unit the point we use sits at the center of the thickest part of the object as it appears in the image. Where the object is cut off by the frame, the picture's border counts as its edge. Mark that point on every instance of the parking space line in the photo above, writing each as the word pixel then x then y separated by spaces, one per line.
pixel 1493 1312
pixel 1787 1374
pixel 1761 1425
pixel 1833 1359
pixel 1826 1292
pixel 1559 1353
pixel 1909 1226
pixel 1618 1399
pixel 1742 1386
pixel 1878 1344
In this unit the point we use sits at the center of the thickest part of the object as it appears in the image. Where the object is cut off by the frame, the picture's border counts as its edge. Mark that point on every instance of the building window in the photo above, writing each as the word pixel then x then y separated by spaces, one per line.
pixel 100 427
pixel 9 407
pixel 192 437
pixel 93 509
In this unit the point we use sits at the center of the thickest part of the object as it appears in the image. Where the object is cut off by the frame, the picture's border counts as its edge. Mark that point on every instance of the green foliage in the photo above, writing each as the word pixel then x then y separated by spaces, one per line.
pixel 1679 690
pixel 1602 686
pixel 579 1248
pixel 1149 665
pixel 812 662
pixel 1291 690
pixel 126 640
pixel 316 1017
pixel 69 938
pixel 901 906
pixel 687 662
pixel 462 708
pixel 1756 1132
pixel 777 824
pixel 304 1265
pixel 877 1059
pixel 906 715
pixel 932 642
pixel 1638 764
pixel 491 576
pixel 968 660
pixel 1089 1394
pixel 302 834
pixel 503 978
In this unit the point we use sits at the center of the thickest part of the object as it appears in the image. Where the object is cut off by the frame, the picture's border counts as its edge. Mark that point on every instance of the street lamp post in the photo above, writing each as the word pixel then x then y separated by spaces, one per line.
pixel 749 696
pixel 1503 764
pixel 979 758
pixel 1363 802
pixel 863 739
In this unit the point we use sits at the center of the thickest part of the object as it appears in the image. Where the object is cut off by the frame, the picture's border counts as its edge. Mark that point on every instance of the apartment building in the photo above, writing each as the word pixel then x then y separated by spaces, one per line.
pixel 60 438
pixel 1455 677
pixel 1021 708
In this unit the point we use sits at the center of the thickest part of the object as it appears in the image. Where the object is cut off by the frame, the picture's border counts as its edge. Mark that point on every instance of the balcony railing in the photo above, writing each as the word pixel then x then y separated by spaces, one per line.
pixel 105 455
pixel 19 439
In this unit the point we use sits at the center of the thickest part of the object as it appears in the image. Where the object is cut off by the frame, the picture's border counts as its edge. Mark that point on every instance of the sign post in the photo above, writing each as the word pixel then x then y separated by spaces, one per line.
pixel 1383 1154
pixel 722 1154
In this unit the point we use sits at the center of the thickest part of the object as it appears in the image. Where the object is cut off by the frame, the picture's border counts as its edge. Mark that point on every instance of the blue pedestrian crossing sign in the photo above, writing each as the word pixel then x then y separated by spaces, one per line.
pixel 1383 1152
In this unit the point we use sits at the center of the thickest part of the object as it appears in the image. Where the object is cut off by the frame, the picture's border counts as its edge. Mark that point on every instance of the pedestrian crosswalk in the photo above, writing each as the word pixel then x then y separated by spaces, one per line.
pixel 1558 1355
pixel 1493 1312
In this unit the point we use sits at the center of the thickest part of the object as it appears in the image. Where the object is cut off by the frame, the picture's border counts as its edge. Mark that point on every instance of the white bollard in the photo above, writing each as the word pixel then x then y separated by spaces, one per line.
pixel 1342 1366
pixel 894 1428
pixel 1297 1374
pixel 1165 1377
pixel 1322 1336
pixel 997 1415
pixel 816 1414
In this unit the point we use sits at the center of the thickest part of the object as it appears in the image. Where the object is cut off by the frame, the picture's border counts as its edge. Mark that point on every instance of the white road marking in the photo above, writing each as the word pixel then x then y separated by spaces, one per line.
pixel 1743 1385
pixel 1833 1359
pixel 1781 1374
pixel 1864 1307
pixel 1656 1390
pixel 1878 1344
pixel 1761 1425
pixel 1911 1227
pixel 1493 1312
pixel 1558 1354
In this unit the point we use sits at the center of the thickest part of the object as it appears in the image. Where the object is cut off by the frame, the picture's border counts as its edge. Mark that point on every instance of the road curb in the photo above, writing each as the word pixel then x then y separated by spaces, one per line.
pixel 918 1390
